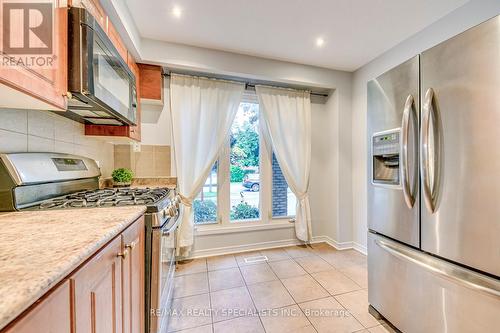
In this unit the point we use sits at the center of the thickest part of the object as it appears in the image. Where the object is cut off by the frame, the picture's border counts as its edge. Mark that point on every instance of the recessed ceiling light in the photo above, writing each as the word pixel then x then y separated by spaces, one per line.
pixel 177 11
pixel 320 42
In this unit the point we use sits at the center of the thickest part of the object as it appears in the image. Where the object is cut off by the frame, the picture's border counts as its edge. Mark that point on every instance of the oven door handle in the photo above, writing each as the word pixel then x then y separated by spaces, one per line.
pixel 168 229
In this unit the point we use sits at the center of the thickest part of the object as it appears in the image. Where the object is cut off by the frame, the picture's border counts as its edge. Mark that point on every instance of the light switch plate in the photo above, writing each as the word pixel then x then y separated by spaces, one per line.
pixel 136 147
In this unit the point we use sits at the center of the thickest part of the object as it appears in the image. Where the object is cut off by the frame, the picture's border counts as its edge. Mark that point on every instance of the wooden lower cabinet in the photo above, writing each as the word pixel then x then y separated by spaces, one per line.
pixel 133 278
pixel 109 290
pixel 97 292
pixel 105 295
pixel 50 314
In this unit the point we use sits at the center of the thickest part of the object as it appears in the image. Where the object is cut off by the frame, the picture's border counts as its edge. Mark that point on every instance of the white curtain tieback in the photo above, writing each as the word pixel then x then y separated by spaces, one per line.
pixel 185 200
pixel 302 196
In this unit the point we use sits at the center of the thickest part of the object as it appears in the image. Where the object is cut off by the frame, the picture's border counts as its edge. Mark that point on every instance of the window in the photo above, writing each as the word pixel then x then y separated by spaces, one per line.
pixel 246 184
pixel 205 204
pixel 244 159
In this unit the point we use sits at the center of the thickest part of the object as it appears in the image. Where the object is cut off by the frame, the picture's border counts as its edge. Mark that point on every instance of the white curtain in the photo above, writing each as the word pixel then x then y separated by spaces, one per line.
pixel 287 125
pixel 202 112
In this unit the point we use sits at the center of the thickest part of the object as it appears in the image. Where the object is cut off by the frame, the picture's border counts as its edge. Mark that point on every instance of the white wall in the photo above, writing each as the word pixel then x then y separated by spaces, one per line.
pixel 156 128
pixel 472 13
pixel 330 186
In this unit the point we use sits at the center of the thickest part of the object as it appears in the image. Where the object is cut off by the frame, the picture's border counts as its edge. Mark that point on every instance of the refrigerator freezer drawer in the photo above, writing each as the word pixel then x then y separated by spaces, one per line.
pixel 419 293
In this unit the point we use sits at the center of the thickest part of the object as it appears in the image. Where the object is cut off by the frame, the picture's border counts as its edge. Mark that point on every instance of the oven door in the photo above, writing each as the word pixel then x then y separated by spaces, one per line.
pixel 162 274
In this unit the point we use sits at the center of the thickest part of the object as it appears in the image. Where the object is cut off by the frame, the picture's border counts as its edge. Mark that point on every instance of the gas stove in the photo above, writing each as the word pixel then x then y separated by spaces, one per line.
pixel 152 198
pixel 42 181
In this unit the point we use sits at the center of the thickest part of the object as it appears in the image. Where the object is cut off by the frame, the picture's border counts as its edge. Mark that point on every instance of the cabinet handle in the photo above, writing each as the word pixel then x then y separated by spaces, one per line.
pixel 130 246
pixel 123 254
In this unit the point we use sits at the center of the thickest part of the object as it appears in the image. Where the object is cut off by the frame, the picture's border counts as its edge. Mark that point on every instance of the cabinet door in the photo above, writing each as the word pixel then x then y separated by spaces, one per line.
pixel 45 77
pixel 151 84
pixel 133 278
pixel 97 292
pixel 51 314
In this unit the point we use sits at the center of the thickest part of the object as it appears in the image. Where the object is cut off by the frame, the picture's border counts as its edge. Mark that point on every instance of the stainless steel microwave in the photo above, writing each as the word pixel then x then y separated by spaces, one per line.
pixel 102 87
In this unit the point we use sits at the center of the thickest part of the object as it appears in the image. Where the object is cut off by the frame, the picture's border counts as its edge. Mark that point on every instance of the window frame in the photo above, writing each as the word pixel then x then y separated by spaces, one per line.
pixel 224 223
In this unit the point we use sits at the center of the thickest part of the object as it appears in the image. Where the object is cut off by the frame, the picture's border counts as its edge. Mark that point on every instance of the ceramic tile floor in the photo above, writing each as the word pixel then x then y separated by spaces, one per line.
pixel 298 289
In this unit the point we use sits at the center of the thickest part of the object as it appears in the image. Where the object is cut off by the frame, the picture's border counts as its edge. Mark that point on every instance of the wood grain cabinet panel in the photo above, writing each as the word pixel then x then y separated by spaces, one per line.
pixel 117 41
pixel 151 83
pixel 50 314
pixel 97 292
pixel 133 278
pixel 47 81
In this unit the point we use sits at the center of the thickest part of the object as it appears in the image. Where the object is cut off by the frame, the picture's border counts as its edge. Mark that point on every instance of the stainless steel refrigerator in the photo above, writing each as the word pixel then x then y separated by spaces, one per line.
pixel 434 187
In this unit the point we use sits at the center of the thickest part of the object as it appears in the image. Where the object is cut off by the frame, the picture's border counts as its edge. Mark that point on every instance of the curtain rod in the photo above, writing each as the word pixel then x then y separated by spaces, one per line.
pixel 251 86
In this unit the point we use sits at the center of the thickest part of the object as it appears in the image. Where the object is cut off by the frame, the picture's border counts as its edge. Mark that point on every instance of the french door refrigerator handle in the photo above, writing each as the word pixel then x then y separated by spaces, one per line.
pixel 424 150
pixel 405 128
pixel 450 272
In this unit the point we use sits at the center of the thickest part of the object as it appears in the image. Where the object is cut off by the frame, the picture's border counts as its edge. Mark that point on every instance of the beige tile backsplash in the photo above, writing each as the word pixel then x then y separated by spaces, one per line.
pixel 40 131
pixel 151 161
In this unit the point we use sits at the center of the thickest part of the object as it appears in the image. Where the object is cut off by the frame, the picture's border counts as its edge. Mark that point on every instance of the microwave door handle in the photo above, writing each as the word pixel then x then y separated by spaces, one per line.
pixel 405 177
pixel 429 191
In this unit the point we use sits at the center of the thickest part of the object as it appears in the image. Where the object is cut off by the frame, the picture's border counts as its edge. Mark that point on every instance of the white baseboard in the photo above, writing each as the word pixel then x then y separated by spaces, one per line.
pixel 332 242
pixel 275 244
pixel 243 248
pixel 360 248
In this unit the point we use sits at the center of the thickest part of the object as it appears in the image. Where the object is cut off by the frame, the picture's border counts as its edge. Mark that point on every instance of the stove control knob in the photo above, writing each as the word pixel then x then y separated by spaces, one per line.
pixel 177 200
pixel 172 211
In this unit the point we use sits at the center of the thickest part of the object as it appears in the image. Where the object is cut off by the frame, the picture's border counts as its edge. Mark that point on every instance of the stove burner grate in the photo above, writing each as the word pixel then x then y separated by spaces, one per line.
pixel 107 198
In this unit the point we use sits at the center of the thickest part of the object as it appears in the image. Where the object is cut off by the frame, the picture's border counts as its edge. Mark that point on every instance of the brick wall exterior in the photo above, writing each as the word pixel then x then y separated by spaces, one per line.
pixel 280 200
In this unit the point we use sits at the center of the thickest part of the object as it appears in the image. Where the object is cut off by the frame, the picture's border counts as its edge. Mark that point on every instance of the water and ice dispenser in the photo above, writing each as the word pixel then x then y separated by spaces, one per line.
pixel 386 150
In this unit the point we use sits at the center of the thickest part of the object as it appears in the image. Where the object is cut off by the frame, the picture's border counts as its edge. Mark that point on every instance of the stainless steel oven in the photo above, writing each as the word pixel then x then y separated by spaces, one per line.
pixel 162 274
pixel 102 86
pixel 160 254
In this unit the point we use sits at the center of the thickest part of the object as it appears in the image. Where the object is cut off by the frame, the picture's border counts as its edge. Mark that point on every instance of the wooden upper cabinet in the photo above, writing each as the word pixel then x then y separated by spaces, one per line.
pixel 51 314
pixel 42 76
pixel 97 299
pixel 117 41
pixel 133 278
pixel 151 84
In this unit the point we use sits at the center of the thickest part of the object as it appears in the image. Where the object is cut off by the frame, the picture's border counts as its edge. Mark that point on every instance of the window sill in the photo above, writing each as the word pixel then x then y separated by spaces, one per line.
pixel 240 227
pixel 288 218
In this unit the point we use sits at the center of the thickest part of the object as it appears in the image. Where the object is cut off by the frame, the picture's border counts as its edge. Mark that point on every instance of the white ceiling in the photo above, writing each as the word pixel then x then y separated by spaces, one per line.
pixel 355 31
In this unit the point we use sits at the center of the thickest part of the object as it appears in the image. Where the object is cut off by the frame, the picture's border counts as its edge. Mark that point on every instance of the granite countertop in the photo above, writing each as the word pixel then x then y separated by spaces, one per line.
pixel 38 249
pixel 144 182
